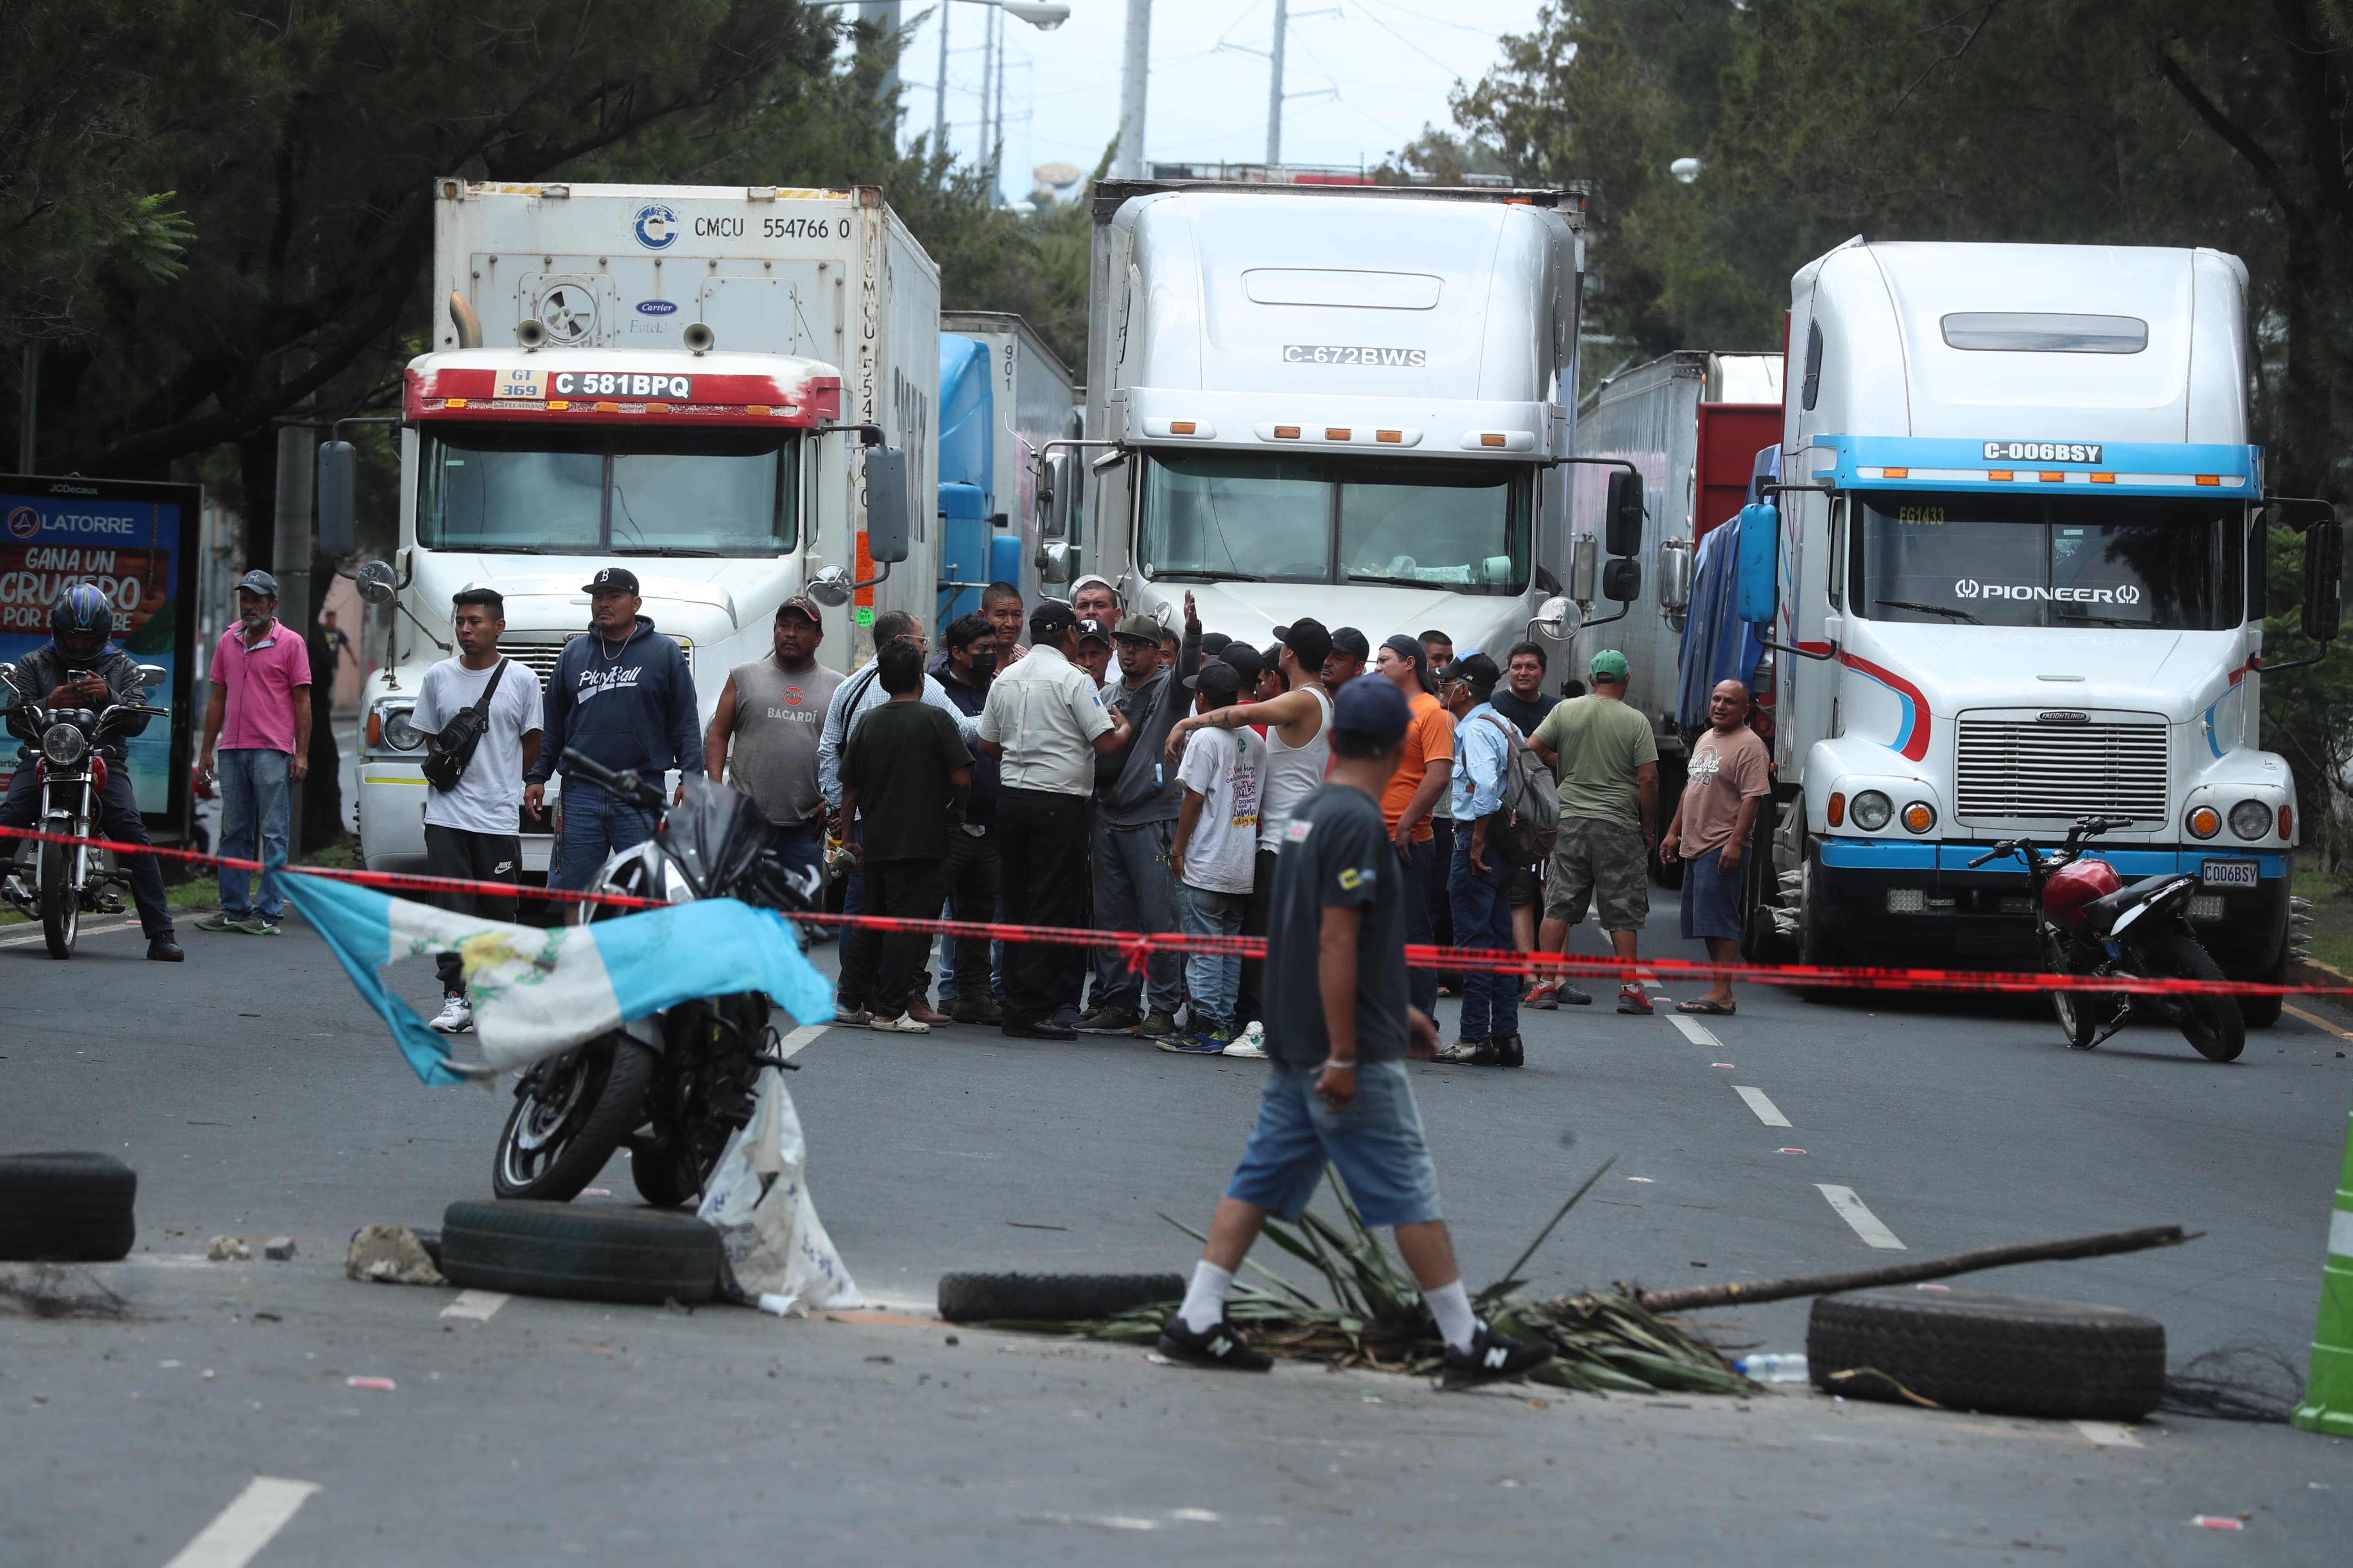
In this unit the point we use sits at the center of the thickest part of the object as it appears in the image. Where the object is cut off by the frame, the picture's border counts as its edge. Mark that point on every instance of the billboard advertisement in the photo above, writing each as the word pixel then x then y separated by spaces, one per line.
pixel 137 542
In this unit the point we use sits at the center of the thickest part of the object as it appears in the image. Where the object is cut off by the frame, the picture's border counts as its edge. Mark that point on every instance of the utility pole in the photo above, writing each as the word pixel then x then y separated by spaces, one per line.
pixel 884 17
pixel 940 88
pixel 289 560
pixel 991 44
pixel 1134 73
pixel 1274 85
pixel 997 139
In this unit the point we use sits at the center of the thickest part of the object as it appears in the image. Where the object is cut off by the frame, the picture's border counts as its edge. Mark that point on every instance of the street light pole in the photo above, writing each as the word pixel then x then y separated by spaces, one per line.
pixel 1274 85
pixel 1136 70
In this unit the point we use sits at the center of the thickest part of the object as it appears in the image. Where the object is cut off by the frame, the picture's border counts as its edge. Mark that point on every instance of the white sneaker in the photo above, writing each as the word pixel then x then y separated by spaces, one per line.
pixel 456 1017
pixel 901 1024
pixel 1250 1044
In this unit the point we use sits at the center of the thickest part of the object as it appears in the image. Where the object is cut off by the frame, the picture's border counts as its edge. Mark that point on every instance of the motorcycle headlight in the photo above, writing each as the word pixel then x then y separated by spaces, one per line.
pixel 1872 810
pixel 2251 820
pixel 399 733
pixel 65 746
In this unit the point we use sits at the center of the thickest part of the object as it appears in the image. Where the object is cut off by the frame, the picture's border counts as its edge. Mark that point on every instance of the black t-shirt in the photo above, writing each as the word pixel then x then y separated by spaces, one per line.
pixel 1526 715
pixel 1335 853
pixel 898 760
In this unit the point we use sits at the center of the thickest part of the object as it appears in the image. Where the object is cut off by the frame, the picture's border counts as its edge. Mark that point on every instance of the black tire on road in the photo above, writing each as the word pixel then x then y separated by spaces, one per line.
pixel 608 1105
pixel 591 1254
pixel 2211 1024
pixel 1052 1298
pixel 61 904
pixel 665 1176
pixel 2263 1012
pixel 66 1207
pixel 1971 1350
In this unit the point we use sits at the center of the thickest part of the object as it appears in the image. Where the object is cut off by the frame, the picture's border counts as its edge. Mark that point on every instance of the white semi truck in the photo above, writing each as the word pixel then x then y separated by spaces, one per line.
pixel 1346 402
pixel 2012 574
pixel 728 391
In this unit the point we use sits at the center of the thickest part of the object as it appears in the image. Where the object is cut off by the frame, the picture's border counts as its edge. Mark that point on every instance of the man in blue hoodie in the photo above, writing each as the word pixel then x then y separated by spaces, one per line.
pixel 623 697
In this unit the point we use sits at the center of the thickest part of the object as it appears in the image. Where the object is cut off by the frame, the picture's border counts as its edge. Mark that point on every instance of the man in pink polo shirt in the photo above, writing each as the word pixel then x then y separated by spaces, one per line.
pixel 258 718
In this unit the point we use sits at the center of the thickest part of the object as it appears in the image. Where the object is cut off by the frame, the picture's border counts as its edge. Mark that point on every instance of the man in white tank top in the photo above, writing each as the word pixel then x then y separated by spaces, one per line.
pixel 1298 748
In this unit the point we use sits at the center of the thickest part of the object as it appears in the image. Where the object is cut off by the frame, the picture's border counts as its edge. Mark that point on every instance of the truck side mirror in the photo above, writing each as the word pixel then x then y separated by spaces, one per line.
pixel 1584 565
pixel 1674 575
pixel 1621 522
pixel 1552 619
pixel 338 534
pixel 1053 562
pixel 1757 564
pixel 2323 564
pixel 1622 581
pixel 886 504
pixel 1056 475
pixel 376 583
pixel 830 587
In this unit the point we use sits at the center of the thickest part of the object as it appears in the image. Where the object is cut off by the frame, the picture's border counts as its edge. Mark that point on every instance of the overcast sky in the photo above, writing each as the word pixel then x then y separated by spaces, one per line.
pixel 1363 78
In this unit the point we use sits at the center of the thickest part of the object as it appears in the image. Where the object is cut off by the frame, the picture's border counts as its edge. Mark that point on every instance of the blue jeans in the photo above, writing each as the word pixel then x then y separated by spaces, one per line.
pixel 1376 1140
pixel 254 802
pixel 117 817
pixel 1482 919
pixel 1215 979
pixel 595 825
pixel 1420 984
pixel 800 845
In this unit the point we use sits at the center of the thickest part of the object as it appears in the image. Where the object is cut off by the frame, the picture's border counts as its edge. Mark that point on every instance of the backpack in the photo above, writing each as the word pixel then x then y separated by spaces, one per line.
pixel 453 747
pixel 1531 814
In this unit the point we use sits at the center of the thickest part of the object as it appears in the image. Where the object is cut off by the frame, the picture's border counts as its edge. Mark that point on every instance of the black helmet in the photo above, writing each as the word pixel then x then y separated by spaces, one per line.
pixel 83 608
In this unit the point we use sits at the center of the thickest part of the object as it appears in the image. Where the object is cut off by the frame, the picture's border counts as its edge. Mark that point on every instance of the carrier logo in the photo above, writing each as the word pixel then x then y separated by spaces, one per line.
pixel 2042 451
pixel 656 227
pixel 657 307
pixel 1970 588
pixel 24 523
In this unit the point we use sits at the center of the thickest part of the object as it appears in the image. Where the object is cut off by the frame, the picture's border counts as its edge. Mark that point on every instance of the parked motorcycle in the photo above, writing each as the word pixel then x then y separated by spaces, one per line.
pixel 58 883
pixel 673 1087
pixel 2091 922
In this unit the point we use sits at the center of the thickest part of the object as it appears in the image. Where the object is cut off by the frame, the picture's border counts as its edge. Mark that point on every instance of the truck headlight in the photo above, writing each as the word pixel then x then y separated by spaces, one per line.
pixel 395 729
pixel 2251 820
pixel 1872 810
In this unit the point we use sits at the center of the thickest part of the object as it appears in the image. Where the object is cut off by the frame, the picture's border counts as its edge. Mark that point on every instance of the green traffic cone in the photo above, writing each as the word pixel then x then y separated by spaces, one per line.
pixel 2328 1393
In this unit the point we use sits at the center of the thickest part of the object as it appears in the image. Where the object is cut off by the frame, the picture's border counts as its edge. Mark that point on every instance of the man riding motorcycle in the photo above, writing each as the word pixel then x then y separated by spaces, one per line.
pixel 77 669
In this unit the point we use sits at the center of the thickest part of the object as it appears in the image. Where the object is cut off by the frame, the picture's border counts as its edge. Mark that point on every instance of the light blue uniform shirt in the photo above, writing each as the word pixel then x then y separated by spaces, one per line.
pixel 1482 754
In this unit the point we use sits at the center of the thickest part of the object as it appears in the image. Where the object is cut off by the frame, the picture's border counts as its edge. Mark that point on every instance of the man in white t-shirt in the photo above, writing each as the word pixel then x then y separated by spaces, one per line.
pixel 1214 856
pixel 474 829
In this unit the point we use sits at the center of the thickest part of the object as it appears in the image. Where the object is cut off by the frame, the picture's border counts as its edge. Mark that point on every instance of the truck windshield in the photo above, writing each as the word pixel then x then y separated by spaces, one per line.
pixel 505 488
pixel 1972 559
pixel 1459 526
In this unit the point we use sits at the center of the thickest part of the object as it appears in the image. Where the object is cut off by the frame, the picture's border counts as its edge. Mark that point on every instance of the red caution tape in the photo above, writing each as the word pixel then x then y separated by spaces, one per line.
pixel 1138 948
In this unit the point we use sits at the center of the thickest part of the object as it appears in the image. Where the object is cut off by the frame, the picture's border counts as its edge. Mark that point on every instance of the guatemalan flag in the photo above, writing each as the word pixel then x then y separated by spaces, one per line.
pixel 538 991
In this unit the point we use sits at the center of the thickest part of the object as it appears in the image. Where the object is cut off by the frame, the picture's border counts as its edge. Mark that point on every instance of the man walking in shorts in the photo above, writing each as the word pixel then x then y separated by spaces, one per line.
pixel 1338 1031
pixel 1608 763
pixel 1727 781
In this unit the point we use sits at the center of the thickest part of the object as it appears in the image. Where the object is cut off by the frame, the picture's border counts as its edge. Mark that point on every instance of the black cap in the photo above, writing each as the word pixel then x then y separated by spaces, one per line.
pixel 1246 659
pixel 1280 633
pixel 799 604
pixel 611 580
pixel 1052 618
pixel 1477 668
pixel 1348 639
pixel 1092 630
pixel 1308 643
pixel 1218 682
pixel 1214 643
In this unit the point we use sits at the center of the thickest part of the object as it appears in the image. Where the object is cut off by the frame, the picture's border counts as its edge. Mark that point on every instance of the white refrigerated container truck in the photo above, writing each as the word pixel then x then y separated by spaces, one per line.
pixel 682 380
pixel 1343 402
pixel 2016 577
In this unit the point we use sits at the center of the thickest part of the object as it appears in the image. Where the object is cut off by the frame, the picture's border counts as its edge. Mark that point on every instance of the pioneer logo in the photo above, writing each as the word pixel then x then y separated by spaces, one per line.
pixel 1970 588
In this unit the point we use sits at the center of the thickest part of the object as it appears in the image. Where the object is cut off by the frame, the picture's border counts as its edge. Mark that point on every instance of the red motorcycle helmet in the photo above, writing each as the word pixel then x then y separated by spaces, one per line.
pixel 2068 889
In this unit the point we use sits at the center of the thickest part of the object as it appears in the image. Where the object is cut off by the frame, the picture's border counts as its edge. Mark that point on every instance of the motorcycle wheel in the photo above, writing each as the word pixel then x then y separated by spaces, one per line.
pixel 571 1113
pixel 666 1177
pixel 2211 1024
pixel 2077 1011
pixel 60 903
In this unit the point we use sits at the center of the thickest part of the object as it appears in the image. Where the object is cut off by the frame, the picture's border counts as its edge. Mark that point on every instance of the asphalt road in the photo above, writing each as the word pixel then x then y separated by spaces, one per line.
pixel 256 1099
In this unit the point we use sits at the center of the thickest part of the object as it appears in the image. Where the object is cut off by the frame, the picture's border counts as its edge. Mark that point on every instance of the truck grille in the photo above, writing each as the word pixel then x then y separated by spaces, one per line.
pixel 2060 772
pixel 539 657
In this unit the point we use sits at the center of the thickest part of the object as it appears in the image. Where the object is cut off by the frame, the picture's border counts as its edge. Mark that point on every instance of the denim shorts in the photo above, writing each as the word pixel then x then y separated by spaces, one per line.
pixel 1711 899
pixel 1375 1142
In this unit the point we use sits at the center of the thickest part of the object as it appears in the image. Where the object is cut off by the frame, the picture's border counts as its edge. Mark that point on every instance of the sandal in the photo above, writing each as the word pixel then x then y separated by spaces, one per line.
pixel 1712 1009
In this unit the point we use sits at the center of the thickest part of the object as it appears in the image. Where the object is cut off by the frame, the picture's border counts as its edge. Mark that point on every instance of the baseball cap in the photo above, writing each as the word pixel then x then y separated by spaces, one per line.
pixel 1406 648
pixel 1092 630
pixel 1214 643
pixel 1373 709
pixel 258 581
pixel 1140 626
pixel 1246 659
pixel 1349 640
pixel 799 606
pixel 1477 668
pixel 1052 618
pixel 1095 580
pixel 1218 682
pixel 1611 663
pixel 1308 643
pixel 611 580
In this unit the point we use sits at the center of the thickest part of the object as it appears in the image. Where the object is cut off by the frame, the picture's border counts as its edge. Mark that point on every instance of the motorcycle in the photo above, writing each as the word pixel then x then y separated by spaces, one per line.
pixel 2091 922
pixel 58 883
pixel 671 1088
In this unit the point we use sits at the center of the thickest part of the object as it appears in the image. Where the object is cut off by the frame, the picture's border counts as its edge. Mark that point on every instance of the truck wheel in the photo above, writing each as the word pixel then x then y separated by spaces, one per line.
pixel 1816 944
pixel 1971 1350
pixel 1052 1298
pixel 1761 941
pixel 2263 1012
pixel 593 1254
pixel 1665 873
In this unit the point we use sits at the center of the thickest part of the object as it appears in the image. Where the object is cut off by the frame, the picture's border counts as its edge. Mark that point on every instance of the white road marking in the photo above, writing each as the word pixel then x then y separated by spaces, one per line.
pixel 2109 1434
pixel 482 1306
pixel 800 1039
pixel 1697 1033
pixel 90 928
pixel 247 1525
pixel 1767 1112
pixel 1866 1224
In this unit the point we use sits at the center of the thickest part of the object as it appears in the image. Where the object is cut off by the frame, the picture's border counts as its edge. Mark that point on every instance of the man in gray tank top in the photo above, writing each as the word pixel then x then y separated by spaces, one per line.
pixel 772 710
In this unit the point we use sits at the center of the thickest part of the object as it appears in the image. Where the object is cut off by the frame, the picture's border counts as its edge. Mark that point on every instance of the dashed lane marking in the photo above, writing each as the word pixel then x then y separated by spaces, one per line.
pixel 1767 1112
pixel 481 1306
pixel 1858 1216
pixel 90 928
pixel 240 1532
pixel 2109 1435
pixel 1697 1033
pixel 800 1039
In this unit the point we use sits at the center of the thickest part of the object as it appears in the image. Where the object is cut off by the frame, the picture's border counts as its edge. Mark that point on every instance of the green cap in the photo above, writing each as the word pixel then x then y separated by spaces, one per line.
pixel 1611 663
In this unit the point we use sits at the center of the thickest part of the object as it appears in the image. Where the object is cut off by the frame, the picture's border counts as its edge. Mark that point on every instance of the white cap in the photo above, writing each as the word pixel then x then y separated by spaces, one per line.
pixel 1094 578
